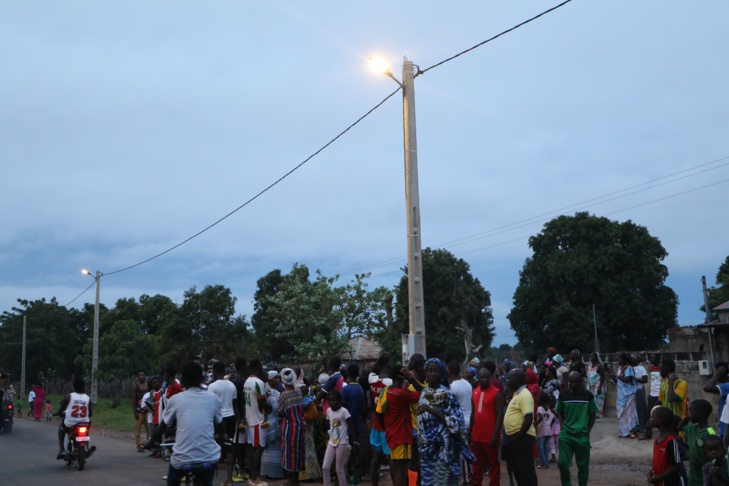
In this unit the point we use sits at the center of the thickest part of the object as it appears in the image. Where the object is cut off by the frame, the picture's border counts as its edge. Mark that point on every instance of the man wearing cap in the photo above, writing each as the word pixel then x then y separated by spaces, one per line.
pixel 256 411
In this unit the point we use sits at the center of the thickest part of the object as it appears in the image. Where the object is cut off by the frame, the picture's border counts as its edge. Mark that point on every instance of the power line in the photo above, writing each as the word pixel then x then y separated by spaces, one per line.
pixel 494 37
pixel 542 217
pixel 261 192
pixel 82 293
pixel 323 147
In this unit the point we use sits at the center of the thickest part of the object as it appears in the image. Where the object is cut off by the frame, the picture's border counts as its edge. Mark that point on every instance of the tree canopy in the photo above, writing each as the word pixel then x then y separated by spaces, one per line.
pixel 455 302
pixel 299 319
pixel 720 294
pixel 583 260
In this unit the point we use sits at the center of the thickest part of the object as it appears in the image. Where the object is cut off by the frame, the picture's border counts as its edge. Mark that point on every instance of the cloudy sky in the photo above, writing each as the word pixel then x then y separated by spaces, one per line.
pixel 128 127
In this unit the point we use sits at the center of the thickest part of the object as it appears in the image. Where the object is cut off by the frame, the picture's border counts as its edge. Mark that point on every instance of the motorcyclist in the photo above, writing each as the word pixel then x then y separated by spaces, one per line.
pixel 75 408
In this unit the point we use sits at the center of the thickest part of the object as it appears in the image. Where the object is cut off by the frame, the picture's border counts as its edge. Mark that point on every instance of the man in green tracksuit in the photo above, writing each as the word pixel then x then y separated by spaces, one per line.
pixel 577 410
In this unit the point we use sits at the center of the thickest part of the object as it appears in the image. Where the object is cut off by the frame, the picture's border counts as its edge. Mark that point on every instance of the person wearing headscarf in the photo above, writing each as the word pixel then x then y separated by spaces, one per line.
pixel 596 382
pixel 625 402
pixel 441 430
pixel 271 457
pixel 293 427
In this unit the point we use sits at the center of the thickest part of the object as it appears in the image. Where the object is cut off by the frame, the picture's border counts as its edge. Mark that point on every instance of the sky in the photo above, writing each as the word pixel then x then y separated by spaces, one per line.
pixel 128 127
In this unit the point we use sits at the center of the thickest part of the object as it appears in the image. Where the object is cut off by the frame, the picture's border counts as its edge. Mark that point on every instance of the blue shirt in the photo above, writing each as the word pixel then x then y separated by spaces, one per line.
pixel 354 401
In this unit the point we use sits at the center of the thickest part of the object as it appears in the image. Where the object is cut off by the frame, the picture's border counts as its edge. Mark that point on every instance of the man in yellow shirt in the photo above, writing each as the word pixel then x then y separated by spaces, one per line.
pixel 518 424
pixel 673 390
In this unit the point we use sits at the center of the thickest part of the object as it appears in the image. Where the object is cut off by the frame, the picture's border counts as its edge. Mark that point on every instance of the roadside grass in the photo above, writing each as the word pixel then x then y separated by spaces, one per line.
pixel 106 417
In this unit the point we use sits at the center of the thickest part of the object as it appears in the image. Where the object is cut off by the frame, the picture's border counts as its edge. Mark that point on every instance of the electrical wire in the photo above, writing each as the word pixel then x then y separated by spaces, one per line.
pixel 261 192
pixel 79 295
pixel 492 38
pixel 542 217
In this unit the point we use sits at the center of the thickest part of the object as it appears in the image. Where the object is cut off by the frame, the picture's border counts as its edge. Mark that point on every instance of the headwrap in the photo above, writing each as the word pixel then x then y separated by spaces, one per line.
pixel 474 362
pixel 323 378
pixel 272 374
pixel 557 358
pixel 288 376
pixel 443 372
pixel 551 349
pixel 473 371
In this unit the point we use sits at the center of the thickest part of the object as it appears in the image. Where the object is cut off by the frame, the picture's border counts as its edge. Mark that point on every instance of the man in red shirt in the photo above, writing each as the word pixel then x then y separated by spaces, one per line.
pixel 399 428
pixel 487 416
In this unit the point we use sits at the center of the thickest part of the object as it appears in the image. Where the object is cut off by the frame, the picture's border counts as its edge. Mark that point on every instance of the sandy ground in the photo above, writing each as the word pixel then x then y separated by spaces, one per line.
pixel 614 462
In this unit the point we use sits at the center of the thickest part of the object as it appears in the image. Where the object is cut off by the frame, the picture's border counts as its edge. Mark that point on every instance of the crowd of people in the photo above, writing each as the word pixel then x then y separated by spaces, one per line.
pixel 426 423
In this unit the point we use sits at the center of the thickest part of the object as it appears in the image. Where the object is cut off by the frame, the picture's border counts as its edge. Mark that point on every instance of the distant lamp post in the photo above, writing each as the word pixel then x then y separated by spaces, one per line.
pixel 416 314
pixel 95 352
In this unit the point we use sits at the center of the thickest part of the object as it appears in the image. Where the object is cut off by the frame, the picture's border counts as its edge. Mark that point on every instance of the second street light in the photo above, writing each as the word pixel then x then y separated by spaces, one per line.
pixel 95 352
pixel 416 310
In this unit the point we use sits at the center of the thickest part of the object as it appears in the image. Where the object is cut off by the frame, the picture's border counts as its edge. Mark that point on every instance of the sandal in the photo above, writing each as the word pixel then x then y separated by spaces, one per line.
pixel 633 436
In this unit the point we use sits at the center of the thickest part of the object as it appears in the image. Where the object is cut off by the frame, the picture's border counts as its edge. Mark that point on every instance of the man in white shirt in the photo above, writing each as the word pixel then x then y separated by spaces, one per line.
pixel 75 409
pixel 225 390
pixel 196 414
pixel 256 404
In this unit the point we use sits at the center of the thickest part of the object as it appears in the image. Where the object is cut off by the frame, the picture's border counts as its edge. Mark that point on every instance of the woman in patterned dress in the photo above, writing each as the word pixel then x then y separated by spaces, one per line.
pixel 293 427
pixel 441 430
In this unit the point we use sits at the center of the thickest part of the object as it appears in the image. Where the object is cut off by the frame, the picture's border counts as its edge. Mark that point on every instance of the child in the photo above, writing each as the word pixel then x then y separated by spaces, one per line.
pixel 667 463
pixel 694 434
pixel 20 407
pixel 338 445
pixel 556 428
pixel 715 471
pixel 544 430
pixel 49 411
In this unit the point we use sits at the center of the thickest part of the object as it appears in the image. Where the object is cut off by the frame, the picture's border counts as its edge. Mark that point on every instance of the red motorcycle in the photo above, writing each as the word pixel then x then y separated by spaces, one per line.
pixel 77 446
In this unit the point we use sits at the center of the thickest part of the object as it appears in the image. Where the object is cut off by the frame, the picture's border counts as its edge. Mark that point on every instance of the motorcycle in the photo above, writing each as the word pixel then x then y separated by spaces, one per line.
pixel 77 446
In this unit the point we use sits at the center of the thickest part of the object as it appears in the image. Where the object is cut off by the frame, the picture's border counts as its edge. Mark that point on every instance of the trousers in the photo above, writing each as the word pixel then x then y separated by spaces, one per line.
pixel 578 446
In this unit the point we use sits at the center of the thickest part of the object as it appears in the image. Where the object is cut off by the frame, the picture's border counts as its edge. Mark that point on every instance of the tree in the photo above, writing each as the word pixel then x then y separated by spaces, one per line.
pixel 263 321
pixel 458 318
pixel 54 337
pixel 583 260
pixel 124 350
pixel 719 295
pixel 316 320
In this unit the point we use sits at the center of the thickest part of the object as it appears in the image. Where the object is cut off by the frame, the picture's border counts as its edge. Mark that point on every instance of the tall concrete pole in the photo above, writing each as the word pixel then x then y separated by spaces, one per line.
pixel 95 353
pixel 22 363
pixel 416 315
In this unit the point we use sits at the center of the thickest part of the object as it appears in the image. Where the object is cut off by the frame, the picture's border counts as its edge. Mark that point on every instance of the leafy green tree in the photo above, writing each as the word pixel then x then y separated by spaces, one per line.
pixel 54 337
pixel 317 319
pixel 457 307
pixel 263 320
pixel 720 294
pixel 212 329
pixel 583 260
pixel 124 350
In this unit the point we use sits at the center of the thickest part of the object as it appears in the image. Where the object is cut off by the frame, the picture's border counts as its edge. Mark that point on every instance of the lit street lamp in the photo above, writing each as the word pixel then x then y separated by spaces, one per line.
pixel 95 352
pixel 416 310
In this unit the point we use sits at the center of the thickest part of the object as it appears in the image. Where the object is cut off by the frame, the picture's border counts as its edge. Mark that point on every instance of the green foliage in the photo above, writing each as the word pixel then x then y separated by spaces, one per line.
pixel 583 260
pixel 453 300
pixel 123 351
pixel 205 328
pixel 54 337
pixel 313 320
pixel 720 294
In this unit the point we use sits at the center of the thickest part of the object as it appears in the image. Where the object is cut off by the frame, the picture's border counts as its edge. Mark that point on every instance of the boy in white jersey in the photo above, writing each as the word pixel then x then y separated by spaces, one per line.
pixel 75 408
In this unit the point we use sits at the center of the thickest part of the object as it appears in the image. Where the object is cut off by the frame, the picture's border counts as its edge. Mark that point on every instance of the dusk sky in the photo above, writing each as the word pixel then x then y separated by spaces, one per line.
pixel 128 127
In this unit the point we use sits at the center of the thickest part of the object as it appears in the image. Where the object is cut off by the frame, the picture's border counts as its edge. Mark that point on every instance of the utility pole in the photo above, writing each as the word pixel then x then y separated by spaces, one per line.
pixel 707 319
pixel 594 320
pixel 22 363
pixel 416 317
pixel 95 354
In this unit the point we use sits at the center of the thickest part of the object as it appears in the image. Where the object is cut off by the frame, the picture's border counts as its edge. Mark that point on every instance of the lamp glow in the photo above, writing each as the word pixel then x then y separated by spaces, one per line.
pixel 379 65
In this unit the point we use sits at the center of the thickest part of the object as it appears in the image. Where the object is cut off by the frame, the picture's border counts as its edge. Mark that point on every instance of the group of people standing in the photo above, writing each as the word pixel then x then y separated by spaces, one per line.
pixel 427 423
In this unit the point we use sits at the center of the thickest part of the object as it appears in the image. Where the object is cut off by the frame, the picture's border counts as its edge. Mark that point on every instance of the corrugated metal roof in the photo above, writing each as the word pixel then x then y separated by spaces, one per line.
pixel 724 306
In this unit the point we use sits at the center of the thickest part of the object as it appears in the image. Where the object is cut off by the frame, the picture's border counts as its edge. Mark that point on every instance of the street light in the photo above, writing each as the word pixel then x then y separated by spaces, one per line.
pixel 416 314
pixel 95 352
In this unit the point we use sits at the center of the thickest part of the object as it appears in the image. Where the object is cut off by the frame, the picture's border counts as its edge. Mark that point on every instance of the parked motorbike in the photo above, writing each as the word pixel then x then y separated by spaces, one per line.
pixel 77 446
